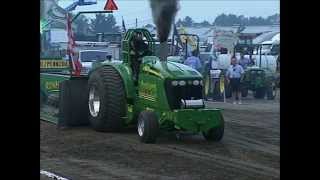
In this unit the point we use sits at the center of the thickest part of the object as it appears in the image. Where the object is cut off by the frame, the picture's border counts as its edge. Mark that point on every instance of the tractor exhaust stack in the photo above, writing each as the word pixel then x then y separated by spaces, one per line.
pixel 163 51
pixel 163 13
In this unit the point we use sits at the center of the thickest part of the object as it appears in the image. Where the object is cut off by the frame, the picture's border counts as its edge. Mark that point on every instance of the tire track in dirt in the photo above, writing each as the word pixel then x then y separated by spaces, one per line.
pixel 119 173
pixel 237 164
pixel 250 146
pixel 270 127
pixel 185 151
pixel 245 133
pixel 93 169
pixel 264 135
pixel 271 122
pixel 241 139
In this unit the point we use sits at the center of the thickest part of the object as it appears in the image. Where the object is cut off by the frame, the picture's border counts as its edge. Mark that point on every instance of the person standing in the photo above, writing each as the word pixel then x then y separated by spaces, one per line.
pixel 193 61
pixel 244 62
pixel 233 76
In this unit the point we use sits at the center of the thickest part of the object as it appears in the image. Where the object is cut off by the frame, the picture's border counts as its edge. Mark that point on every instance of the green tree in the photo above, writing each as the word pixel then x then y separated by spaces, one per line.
pixel 187 21
pixel 205 23
pixel 179 22
pixel 82 25
pixel 231 19
pixel 221 20
pixel 274 19
pixel 103 24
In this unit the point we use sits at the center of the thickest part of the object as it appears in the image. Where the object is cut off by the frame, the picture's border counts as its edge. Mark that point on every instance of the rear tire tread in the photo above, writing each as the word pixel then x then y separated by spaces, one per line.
pixel 112 99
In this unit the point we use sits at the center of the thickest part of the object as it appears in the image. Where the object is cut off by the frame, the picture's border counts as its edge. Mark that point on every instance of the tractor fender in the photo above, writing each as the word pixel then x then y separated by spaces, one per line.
pixel 126 74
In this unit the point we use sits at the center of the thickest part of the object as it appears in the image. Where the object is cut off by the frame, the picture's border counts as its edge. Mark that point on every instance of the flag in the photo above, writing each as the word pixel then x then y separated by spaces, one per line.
pixel 110 6
pixel 123 26
pixel 74 61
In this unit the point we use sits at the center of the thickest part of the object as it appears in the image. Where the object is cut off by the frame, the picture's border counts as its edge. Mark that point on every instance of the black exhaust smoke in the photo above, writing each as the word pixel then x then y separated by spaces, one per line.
pixel 163 13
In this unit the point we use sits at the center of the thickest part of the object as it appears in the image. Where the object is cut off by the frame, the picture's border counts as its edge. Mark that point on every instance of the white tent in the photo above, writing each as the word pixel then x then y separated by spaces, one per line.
pixel 266 37
pixel 276 38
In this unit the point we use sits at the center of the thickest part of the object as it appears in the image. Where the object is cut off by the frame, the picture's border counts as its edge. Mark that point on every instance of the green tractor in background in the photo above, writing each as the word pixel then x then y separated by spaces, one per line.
pixel 260 81
pixel 164 95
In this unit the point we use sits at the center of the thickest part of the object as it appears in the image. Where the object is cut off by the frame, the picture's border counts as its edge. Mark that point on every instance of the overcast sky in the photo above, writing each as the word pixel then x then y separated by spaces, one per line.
pixel 198 10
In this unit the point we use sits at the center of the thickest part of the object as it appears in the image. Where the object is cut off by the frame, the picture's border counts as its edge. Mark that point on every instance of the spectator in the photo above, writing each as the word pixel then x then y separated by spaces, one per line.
pixel 233 77
pixel 244 62
pixel 193 61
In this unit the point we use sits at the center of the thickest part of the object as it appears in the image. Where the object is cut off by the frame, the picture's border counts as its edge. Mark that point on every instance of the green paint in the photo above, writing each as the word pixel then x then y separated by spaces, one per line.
pixel 255 78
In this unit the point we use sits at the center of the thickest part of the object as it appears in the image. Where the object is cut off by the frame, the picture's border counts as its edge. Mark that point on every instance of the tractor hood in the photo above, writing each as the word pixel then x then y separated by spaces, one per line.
pixel 168 69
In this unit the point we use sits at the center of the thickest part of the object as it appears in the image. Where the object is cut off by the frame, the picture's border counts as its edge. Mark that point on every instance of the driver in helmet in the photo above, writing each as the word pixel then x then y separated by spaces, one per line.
pixel 138 49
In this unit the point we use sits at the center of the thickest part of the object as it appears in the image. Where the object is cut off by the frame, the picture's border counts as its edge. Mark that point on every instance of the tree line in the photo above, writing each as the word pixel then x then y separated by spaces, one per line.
pixel 230 20
pixel 100 24
pixel 107 24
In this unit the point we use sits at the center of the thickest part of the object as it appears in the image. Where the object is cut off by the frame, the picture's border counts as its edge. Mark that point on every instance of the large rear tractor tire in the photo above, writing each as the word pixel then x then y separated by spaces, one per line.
pixel 244 91
pixel 106 102
pixel 260 93
pixel 148 127
pixel 271 92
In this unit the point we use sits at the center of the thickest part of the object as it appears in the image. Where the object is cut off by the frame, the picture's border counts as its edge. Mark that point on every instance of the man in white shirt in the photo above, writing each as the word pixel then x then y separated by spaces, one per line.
pixel 233 77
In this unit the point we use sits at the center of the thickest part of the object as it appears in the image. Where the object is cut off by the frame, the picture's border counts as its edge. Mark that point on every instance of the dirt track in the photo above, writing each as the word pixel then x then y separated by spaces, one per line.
pixel 250 150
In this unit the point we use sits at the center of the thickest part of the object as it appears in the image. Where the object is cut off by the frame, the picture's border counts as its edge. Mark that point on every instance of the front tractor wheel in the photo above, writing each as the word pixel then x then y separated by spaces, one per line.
pixel 148 127
pixel 214 134
pixel 271 92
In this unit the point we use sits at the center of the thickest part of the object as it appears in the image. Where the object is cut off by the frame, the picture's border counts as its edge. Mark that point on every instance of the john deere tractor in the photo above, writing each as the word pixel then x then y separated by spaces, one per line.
pixel 164 95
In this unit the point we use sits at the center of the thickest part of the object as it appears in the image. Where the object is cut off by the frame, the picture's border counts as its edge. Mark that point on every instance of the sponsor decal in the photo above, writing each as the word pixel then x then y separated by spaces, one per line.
pixel 147 91
pixel 54 64
pixel 52 85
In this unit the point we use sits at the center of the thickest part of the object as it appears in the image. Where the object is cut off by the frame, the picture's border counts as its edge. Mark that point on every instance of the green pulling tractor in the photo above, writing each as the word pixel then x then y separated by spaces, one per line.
pixel 165 96
pixel 260 81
